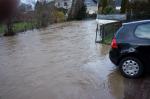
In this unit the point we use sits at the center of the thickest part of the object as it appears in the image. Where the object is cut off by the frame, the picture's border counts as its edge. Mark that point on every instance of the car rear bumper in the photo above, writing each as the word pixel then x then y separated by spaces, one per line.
pixel 114 57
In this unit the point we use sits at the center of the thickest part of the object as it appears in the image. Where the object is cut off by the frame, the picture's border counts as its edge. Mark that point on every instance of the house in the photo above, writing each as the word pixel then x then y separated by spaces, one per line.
pixel 91 6
pixel 66 4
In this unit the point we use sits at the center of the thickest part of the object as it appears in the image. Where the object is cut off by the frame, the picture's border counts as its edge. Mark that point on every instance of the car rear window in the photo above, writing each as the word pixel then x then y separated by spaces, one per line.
pixel 118 31
pixel 122 33
pixel 143 31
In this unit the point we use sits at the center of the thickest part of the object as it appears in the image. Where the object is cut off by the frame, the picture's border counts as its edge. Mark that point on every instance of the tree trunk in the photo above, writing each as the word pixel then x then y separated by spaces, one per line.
pixel 75 8
pixel 9 29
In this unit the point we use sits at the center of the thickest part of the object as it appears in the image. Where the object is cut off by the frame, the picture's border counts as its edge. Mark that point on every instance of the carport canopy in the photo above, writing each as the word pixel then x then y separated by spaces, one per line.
pixel 100 27
pixel 103 21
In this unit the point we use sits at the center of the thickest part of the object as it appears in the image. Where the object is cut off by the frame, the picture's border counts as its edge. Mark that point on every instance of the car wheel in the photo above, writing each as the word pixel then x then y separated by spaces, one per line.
pixel 131 67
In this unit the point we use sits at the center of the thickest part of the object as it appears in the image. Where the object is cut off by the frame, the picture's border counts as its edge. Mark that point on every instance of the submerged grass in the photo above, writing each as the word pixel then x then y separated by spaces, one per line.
pixel 19 27
pixel 108 39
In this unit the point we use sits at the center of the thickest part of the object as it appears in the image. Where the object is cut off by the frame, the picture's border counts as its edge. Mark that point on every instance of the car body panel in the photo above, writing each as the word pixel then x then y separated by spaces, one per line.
pixel 130 45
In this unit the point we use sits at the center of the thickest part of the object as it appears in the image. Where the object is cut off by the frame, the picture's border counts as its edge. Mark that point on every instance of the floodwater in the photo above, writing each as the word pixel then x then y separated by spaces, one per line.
pixel 63 62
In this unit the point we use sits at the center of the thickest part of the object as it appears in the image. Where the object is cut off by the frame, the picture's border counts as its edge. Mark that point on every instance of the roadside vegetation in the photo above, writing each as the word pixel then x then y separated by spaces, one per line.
pixel 43 14
pixel 26 18
pixel 46 13
pixel 106 7
pixel 108 39
pixel 109 31
pixel 18 27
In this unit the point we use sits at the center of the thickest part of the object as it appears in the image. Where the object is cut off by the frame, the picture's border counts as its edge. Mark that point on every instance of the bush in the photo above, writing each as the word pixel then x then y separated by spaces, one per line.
pixel 104 5
pixel 18 27
pixel 109 10
pixel 47 14
pixel 23 26
pixel 60 16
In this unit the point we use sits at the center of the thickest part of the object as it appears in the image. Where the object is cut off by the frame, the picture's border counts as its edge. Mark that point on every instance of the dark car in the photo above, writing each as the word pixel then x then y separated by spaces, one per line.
pixel 130 48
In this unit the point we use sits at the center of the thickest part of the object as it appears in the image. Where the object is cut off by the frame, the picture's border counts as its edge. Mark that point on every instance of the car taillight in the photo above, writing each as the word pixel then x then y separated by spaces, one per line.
pixel 114 43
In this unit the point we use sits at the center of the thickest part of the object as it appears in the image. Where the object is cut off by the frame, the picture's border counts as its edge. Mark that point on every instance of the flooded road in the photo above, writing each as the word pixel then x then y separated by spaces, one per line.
pixel 63 62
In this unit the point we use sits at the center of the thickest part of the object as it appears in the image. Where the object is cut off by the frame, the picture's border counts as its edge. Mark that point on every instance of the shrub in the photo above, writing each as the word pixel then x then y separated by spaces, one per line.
pixel 60 16
pixel 47 13
pixel 104 4
pixel 109 10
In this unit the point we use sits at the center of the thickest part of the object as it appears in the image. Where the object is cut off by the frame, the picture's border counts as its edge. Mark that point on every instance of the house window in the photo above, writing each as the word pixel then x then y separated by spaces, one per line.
pixel 65 4
pixel 58 4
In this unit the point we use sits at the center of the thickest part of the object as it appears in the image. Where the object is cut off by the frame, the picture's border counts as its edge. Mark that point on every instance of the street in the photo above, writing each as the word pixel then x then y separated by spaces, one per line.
pixel 62 61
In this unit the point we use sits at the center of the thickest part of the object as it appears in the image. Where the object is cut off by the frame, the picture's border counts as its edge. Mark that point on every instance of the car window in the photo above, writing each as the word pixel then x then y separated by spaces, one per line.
pixel 122 33
pixel 143 31
pixel 118 31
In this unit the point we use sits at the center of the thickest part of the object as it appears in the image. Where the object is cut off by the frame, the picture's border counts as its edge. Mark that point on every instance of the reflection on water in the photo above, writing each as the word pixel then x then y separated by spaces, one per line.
pixel 123 88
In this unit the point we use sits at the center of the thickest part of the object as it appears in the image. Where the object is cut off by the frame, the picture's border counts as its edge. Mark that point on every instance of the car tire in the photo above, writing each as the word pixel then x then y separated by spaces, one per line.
pixel 131 67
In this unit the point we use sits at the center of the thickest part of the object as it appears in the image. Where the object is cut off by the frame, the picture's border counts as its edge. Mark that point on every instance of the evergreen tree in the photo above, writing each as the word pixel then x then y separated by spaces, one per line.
pixel 140 10
pixel 82 13
pixel 104 4
pixel 124 4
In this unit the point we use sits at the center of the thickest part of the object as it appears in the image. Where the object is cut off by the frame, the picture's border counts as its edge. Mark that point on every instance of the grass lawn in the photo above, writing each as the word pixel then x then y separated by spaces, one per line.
pixel 108 39
pixel 19 27
pixel 109 29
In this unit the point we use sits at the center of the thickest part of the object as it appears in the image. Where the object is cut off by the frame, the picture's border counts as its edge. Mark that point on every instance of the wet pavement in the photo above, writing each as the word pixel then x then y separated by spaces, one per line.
pixel 63 62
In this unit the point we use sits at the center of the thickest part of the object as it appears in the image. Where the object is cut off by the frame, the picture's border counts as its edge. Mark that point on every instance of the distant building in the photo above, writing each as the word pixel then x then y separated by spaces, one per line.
pixel 91 6
pixel 66 4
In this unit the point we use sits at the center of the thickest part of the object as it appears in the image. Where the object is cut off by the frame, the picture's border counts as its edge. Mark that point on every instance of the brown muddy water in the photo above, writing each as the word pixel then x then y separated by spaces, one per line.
pixel 63 62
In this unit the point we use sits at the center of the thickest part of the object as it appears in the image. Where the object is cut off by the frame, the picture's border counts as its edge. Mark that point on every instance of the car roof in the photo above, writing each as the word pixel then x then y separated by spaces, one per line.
pixel 137 22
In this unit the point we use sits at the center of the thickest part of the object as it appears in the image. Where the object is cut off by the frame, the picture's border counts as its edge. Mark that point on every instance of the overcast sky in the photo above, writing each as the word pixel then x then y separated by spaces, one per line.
pixel 31 1
pixel 28 1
